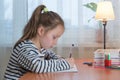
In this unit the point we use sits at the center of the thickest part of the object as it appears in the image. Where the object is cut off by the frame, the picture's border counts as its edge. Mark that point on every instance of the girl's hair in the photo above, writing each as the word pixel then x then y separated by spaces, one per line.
pixel 48 19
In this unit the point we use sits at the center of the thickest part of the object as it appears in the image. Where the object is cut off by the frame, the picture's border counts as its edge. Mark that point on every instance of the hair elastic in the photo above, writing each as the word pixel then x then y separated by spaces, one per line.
pixel 45 10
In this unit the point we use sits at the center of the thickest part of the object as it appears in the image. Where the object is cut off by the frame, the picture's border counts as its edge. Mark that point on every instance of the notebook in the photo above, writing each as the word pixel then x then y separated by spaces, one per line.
pixel 74 69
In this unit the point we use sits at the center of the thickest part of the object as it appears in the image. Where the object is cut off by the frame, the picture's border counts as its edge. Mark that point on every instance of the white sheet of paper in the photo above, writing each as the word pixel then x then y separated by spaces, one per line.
pixel 74 69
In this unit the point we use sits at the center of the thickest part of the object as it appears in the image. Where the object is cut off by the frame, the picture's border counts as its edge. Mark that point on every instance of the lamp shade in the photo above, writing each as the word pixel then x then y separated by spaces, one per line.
pixel 104 11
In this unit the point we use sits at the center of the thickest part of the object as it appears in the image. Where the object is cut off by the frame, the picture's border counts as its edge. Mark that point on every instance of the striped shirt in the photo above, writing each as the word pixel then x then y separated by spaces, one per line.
pixel 26 57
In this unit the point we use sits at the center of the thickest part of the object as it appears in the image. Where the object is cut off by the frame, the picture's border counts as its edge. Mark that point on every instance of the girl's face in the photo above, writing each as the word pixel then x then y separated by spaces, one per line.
pixel 49 39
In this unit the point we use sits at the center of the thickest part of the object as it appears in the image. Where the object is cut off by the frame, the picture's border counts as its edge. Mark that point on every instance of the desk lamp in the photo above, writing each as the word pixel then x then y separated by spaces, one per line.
pixel 104 13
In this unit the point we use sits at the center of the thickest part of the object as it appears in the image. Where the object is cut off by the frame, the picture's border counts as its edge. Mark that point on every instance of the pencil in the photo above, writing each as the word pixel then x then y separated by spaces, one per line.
pixel 70 55
pixel 71 51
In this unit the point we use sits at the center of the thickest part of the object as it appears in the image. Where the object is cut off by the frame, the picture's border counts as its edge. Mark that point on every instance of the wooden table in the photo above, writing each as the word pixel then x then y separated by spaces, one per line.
pixel 84 73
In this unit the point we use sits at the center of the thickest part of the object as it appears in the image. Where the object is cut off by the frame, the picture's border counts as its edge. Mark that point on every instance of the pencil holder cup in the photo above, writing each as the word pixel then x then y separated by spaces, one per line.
pixel 107 63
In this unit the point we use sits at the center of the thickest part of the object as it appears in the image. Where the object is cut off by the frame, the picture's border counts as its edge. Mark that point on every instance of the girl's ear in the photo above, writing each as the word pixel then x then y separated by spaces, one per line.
pixel 41 30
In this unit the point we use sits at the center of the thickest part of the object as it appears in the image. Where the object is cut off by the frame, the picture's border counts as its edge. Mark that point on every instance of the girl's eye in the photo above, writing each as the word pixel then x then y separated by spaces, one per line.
pixel 54 37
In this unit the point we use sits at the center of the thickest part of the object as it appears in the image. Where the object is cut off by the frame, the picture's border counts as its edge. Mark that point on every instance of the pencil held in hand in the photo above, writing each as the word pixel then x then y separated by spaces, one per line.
pixel 71 51
pixel 70 55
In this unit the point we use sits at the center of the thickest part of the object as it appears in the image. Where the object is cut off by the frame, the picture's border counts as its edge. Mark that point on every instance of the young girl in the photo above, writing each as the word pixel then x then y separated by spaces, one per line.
pixel 30 53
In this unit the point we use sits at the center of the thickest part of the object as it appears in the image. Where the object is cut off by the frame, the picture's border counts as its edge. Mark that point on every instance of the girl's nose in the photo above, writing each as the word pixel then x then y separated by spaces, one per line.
pixel 55 42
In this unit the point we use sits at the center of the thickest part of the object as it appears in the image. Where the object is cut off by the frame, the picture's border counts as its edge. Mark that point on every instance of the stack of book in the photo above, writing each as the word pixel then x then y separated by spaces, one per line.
pixel 99 56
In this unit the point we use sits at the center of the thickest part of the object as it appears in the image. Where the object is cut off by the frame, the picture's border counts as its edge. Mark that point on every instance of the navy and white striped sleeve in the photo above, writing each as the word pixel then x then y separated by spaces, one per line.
pixel 34 62
pixel 51 54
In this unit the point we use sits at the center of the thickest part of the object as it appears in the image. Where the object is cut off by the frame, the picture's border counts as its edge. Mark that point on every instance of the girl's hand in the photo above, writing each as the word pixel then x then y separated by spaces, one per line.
pixel 70 61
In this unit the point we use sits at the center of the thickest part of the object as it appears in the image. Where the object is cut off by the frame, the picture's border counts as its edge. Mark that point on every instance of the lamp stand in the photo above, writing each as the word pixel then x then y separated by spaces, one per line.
pixel 104 25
